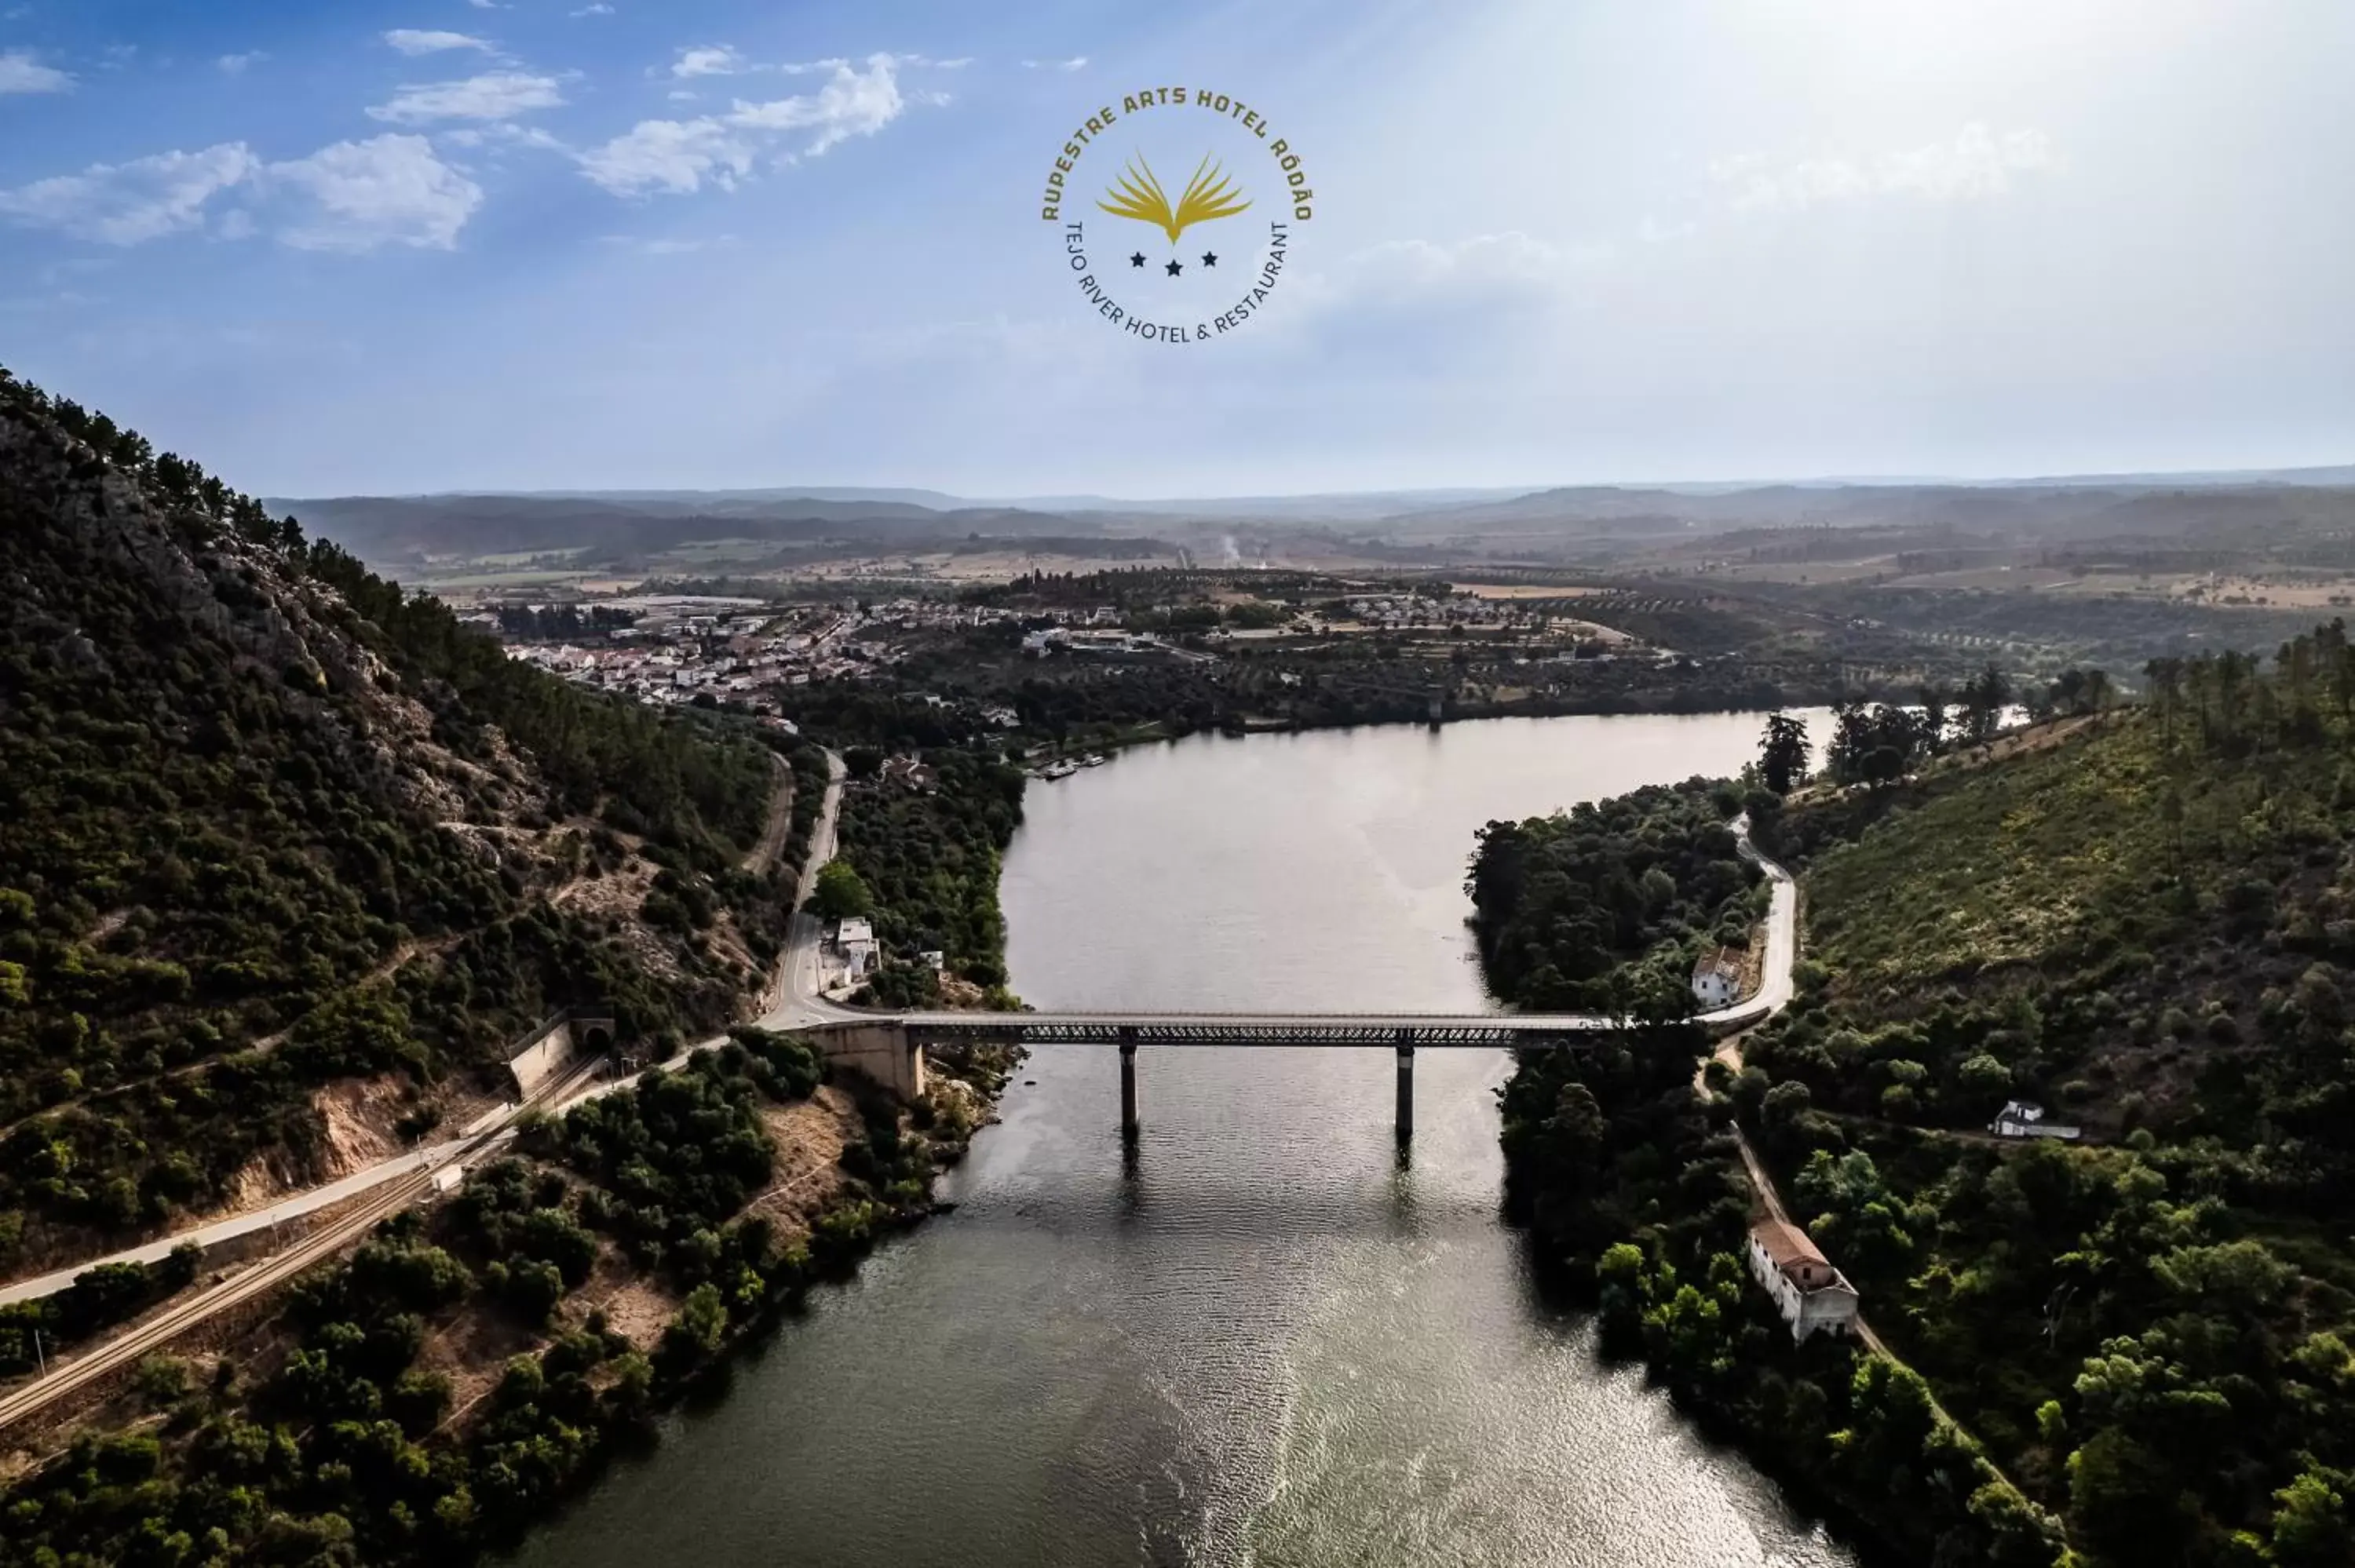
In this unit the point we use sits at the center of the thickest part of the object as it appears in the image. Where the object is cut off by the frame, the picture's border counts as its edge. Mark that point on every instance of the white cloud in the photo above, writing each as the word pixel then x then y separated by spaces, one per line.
pixel 126 204
pixel 678 156
pixel 1077 62
pixel 428 41
pixel 671 246
pixel 707 59
pixel 20 72
pixel 596 8
pixel 388 190
pixel 487 5
pixel 352 195
pixel 1978 163
pixel 234 65
pixel 670 156
pixel 496 95
pixel 855 103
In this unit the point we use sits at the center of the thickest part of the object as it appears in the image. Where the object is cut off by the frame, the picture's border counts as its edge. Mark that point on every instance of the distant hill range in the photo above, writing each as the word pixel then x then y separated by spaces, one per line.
pixel 625 528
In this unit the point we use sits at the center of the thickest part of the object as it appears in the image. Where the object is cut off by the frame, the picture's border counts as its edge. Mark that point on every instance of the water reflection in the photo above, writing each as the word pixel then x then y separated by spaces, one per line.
pixel 1264 1334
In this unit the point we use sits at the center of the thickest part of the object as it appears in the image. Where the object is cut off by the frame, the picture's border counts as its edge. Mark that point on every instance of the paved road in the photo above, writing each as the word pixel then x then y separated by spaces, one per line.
pixel 792 999
pixel 213 1234
pixel 796 1004
pixel 398 1181
pixel 386 1199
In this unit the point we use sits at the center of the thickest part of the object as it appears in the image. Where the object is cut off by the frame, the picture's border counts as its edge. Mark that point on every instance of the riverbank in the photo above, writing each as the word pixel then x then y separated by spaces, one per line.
pixel 1260 1334
pixel 1630 1178
pixel 1105 739
pixel 506 1342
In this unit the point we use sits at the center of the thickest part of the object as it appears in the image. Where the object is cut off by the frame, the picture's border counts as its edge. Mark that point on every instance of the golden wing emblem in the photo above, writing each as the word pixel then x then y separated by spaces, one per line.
pixel 1139 195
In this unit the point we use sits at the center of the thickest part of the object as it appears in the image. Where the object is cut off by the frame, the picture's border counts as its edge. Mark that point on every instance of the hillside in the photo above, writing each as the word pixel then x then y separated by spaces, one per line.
pixel 1604 907
pixel 624 528
pixel 286 855
pixel 2144 924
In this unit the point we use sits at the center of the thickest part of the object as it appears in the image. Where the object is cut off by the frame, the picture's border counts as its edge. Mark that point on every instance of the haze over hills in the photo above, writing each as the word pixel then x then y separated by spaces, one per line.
pixel 786 525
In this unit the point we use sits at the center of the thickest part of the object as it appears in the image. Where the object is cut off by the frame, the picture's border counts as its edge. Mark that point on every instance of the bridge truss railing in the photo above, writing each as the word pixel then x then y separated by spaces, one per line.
pixel 1019 1029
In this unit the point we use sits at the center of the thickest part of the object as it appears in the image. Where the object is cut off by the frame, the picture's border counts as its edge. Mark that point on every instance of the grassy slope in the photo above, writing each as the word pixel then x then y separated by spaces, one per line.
pixel 2140 925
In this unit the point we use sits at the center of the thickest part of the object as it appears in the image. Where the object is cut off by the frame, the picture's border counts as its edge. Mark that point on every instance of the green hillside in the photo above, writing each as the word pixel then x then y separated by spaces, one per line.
pixel 2142 921
pixel 268 823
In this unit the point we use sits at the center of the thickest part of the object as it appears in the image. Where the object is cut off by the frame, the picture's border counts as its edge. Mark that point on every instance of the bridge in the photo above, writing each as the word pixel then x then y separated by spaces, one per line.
pixel 889 1047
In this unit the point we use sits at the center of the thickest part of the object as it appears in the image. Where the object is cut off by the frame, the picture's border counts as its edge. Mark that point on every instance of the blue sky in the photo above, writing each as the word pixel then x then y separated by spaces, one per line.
pixel 446 244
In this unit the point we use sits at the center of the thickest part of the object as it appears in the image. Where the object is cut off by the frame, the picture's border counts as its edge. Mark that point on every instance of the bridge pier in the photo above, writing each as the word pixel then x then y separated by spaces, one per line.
pixel 1129 1130
pixel 1405 1085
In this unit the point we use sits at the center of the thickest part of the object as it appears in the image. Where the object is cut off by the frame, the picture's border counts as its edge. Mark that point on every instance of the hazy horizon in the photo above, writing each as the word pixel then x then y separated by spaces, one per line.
pixel 2330 475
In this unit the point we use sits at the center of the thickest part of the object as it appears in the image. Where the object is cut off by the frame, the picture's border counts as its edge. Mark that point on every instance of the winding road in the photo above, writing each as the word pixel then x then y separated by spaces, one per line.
pixel 793 1001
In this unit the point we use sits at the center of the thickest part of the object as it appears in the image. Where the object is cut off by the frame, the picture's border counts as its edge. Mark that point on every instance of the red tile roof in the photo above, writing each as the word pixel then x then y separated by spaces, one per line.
pixel 1787 1244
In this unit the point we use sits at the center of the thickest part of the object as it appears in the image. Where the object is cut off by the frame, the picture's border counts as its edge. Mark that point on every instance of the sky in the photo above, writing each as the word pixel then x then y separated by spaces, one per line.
pixel 332 248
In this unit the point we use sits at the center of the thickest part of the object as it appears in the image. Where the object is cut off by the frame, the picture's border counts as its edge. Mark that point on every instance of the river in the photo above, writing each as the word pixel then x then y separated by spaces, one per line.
pixel 1264 1337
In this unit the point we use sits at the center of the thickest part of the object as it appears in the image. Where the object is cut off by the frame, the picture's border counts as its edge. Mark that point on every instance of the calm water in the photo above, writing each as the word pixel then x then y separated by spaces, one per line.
pixel 1263 1339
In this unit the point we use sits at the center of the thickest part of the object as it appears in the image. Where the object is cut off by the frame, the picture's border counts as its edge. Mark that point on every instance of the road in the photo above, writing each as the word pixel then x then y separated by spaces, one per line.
pixel 393 1184
pixel 212 1236
pixel 794 1002
pixel 1773 995
pixel 69 1376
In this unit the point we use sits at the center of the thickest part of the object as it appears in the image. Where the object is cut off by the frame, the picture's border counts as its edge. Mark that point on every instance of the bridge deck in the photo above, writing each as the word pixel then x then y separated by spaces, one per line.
pixel 1420 1029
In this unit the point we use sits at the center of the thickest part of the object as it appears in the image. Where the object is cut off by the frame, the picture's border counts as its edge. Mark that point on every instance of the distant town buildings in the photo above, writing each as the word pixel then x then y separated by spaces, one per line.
pixel 1717 977
pixel 1813 1297
pixel 2024 1119
pixel 683 648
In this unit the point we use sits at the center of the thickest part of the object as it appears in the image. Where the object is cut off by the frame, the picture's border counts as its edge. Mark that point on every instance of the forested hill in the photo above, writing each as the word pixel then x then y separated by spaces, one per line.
pixel 1604 907
pixel 272 830
pixel 2144 921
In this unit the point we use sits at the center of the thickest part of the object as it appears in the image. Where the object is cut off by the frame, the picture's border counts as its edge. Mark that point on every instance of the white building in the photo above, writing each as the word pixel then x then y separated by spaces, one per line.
pixel 1717 977
pixel 855 939
pixel 2021 1118
pixel 1813 1297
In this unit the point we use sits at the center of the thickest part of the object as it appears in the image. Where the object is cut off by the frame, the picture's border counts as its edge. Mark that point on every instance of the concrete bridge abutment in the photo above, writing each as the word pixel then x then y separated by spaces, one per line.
pixel 883 1052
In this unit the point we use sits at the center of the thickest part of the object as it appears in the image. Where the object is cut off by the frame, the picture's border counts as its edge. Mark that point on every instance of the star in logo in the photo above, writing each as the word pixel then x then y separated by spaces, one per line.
pixel 1137 260
pixel 1210 258
pixel 1176 268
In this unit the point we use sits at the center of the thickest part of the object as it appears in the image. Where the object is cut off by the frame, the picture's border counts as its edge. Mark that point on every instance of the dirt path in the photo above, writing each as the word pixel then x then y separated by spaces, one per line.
pixel 402 955
pixel 764 854
pixel 1761 1184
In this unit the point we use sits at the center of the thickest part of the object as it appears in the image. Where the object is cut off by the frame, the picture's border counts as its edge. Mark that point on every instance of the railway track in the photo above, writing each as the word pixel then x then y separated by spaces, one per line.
pixel 71 1377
